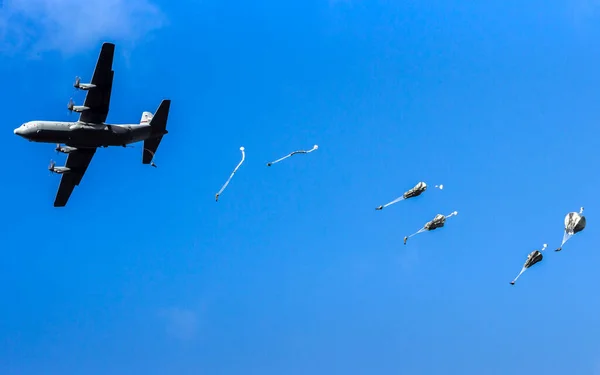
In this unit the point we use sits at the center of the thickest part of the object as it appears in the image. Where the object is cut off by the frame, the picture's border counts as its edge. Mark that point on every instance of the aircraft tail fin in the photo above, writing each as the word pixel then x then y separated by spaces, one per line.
pixel 158 122
pixel 146 118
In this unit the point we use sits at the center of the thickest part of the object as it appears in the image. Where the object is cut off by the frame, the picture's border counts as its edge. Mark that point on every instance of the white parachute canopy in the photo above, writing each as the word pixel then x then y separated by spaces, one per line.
pixel 438 221
pixel 315 147
pixel 574 223
pixel 533 258
pixel 232 173
pixel 417 190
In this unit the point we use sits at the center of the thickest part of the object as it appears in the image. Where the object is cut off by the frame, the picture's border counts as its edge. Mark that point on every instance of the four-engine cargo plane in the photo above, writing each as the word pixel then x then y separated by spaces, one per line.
pixel 83 137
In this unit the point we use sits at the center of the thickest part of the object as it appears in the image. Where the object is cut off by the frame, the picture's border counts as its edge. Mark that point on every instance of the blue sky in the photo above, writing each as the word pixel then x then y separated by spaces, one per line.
pixel 293 271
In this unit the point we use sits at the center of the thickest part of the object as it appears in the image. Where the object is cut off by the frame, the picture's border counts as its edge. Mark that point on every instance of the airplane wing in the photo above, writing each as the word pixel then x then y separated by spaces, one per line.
pixel 97 99
pixel 78 162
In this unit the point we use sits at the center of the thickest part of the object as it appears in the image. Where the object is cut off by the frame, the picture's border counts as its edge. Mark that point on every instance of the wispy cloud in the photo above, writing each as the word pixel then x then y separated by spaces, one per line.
pixel 180 323
pixel 68 26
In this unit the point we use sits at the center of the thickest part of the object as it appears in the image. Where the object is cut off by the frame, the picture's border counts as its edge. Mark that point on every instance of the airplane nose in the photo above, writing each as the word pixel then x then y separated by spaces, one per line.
pixel 16 131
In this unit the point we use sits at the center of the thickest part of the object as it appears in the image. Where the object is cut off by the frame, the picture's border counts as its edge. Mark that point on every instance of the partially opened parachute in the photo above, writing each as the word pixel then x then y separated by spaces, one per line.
pixel 438 221
pixel 292 154
pixel 533 258
pixel 574 223
pixel 242 149
pixel 414 192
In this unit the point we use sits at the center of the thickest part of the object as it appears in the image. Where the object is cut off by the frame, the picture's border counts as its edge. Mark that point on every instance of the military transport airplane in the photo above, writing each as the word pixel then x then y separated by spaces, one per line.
pixel 83 137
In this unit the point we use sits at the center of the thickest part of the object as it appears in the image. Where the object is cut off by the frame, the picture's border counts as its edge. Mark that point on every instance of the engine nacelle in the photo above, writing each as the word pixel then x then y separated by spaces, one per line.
pixel 65 150
pixel 79 108
pixel 82 86
pixel 76 108
pixel 59 170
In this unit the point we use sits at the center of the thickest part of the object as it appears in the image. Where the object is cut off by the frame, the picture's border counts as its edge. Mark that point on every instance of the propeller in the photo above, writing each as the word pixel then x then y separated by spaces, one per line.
pixel 57 149
pixel 70 105
pixel 77 82
pixel 51 166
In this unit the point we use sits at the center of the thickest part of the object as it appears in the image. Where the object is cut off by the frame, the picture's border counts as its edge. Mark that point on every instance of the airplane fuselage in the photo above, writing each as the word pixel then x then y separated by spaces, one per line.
pixel 81 135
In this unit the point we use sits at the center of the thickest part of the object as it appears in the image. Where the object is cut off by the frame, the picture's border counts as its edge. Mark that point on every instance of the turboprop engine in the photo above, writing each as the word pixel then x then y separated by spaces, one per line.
pixel 60 170
pixel 82 86
pixel 64 150
pixel 76 108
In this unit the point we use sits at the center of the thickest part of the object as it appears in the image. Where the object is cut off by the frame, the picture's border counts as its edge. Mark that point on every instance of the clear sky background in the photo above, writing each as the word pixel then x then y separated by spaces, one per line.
pixel 293 271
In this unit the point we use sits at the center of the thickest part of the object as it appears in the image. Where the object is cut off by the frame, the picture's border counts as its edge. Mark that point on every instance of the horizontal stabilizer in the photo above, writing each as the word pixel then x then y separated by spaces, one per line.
pixel 158 122
pixel 150 147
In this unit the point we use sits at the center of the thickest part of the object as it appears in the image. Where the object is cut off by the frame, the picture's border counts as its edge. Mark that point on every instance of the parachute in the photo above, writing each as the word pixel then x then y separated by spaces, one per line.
pixel 574 223
pixel 414 192
pixel 232 173
pixel 438 222
pixel 293 153
pixel 533 258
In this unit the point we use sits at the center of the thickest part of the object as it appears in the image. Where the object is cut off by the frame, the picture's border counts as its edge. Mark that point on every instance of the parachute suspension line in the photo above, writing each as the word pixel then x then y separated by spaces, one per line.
pixel 566 236
pixel 232 173
pixel 401 198
pixel 417 232
pixel 414 234
pixel 519 275
pixel 315 147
